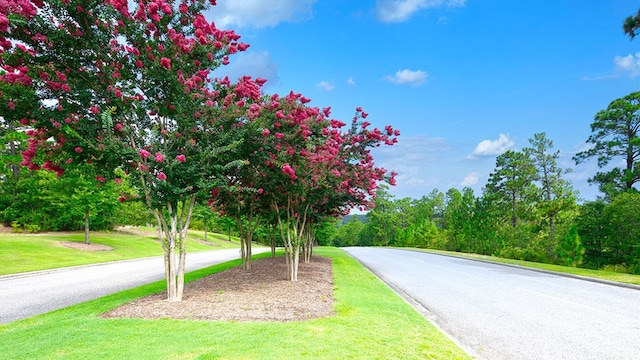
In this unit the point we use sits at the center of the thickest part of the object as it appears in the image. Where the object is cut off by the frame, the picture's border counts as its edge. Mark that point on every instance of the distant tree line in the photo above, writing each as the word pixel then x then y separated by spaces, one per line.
pixel 527 210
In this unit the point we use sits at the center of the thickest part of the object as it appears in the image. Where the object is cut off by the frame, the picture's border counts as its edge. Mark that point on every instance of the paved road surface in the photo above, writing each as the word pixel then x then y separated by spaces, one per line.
pixel 29 294
pixel 499 312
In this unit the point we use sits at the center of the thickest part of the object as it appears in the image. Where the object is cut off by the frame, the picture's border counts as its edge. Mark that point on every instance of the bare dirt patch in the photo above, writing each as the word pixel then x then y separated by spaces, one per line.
pixel 260 294
pixel 84 247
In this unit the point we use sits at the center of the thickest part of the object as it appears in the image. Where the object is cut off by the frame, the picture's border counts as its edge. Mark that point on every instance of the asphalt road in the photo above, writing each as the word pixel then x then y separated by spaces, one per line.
pixel 500 312
pixel 28 294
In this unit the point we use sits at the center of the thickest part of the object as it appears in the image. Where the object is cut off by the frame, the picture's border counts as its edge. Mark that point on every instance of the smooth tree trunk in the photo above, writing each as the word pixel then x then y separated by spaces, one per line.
pixel 173 230
pixel 86 225
pixel 272 236
pixel 291 225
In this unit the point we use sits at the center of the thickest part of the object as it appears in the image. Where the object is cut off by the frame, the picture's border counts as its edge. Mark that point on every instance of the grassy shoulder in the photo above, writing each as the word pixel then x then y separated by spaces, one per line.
pixel 596 274
pixel 372 322
pixel 31 252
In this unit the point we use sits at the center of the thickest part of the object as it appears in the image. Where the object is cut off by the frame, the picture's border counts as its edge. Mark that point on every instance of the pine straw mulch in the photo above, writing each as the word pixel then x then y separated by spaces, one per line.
pixel 260 294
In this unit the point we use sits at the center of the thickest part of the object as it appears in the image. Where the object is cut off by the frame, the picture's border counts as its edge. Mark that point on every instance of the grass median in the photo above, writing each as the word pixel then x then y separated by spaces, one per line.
pixel 372 322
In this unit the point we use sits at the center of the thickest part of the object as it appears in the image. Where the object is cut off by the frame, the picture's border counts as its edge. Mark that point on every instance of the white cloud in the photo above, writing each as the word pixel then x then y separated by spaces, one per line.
pixel 254 64
pixel 471 179
pixel 350 81
pixel 325 85
pixel 259 13
pixel 629 64
pixel 407 76
pixel 389 11
pixel 492 147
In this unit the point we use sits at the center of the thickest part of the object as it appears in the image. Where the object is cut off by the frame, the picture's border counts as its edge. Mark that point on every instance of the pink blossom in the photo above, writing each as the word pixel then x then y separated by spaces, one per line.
pixel 78 149
pixel 118 180
pixel 260 191
pixel 181 158
pixel 265 132
pixel 286 169
pixel 279 135
pixel 118 93
pixel 159 157
pixel 118 127
pixel 101 179
pixel 144 153
pixel 165 63
pixel 161 176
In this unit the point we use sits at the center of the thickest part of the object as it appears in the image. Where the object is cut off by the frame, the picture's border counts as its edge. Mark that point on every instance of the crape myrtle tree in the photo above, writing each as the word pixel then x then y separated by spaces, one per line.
pixel 238 196
pixel 129 88
pixel 303 168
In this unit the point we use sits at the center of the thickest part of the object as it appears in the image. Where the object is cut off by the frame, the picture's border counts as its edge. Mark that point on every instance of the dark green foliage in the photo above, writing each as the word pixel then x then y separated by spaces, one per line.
pixel 593 230
pixel 622 245
pixel 348 234
pixel 58 204
pixel 631 25
pixel 570 250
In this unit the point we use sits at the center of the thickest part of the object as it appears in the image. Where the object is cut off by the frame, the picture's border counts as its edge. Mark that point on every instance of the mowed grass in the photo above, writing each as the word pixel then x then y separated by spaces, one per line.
pixel 372 322
pixel 31 252
pixel 588 273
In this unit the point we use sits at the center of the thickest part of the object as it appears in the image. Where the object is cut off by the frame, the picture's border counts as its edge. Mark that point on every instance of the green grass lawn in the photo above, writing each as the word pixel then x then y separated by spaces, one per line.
pixel 597 274
pixel 31 252
pixel 372 322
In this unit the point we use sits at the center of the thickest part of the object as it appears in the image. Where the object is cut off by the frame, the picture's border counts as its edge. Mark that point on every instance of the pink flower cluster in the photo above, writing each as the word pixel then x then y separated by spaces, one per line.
pixel 287 169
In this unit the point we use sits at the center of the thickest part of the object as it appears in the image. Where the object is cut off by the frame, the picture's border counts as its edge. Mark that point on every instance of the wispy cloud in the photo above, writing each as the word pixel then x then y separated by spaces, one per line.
pixel 254 64
pixel 407 77
pixel 350 81
pixel 492 147
pixel 629 64
pixel 411 157
pixel 389 11
pixel 471 179
pixel 598 77
pixel 259 13
pixel 325 85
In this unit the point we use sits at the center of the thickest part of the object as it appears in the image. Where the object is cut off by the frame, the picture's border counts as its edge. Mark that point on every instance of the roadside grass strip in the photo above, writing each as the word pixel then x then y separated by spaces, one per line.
pixel 587 273
pixel 371 322
pixel 32 252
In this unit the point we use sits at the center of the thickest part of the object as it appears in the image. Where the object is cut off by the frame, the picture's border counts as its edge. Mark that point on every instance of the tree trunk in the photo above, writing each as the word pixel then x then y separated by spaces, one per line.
pixel 245 242
pixel 272 236
pixel 291 230
pixel 174 234
pixel 86 225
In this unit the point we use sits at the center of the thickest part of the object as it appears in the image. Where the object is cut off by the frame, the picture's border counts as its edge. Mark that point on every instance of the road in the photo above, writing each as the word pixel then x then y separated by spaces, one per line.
pixel 500 312
pixel 28 294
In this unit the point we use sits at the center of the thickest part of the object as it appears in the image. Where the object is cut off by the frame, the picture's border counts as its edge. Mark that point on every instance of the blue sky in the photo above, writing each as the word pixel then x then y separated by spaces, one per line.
pixel 463 80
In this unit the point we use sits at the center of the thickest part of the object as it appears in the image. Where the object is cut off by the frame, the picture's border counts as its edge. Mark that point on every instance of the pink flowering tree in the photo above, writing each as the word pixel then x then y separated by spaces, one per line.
pixel 127 88
pixel 344 175
pixel 301 168
pixel 239 196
